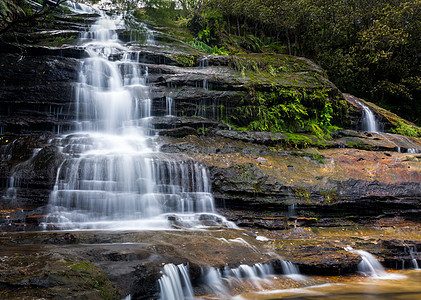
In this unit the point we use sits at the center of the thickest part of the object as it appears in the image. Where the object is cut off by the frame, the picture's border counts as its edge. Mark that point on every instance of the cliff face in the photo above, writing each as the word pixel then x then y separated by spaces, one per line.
pixel 325 178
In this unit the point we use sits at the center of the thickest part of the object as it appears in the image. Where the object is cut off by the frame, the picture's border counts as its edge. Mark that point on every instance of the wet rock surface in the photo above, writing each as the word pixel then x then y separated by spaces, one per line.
pixel 112 264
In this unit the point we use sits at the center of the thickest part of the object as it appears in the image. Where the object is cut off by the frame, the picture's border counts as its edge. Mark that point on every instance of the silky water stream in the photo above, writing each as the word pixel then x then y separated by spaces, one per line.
pixel 113 177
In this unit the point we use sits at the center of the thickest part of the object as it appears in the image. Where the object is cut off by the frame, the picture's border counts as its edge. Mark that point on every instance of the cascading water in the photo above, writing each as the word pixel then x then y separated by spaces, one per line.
pixel 369 121
pixel 175 283
pixel 290 270
pixel 113 177
pixel 369 265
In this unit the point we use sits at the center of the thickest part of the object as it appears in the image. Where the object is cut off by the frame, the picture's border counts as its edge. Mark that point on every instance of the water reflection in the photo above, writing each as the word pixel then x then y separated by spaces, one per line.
pixel 406 288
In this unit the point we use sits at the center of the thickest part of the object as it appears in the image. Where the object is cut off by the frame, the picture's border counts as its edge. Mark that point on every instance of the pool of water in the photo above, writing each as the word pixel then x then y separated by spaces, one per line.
pixel 406 287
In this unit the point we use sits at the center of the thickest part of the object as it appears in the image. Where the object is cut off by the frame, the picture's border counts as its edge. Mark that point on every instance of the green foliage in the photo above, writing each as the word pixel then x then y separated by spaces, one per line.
pixel 16 15
pixel 303 194
pixel 330 197
pixel 319 158
pixel 287 110
pixel 162 11
pixel 369 48
pixel 406 129
pixel 7 9
pixel 201 46
pixel 185 60
pixel 298 140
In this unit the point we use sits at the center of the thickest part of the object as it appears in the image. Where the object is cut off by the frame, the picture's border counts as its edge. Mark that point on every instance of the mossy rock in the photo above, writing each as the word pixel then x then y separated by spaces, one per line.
pixel 397 125
pixel 186 60
pixel 38 275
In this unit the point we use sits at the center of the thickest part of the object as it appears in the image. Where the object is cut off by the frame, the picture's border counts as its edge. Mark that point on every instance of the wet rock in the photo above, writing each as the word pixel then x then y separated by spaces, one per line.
pixel 37 94
pixel 177 132
pixel 76 263
pixel 171 122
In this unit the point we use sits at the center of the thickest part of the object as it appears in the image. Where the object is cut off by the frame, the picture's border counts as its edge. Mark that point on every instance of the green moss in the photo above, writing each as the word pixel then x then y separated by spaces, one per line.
pixel 286 94
pixel 406 129
pixel 359 145
pixel 302 194
pixel 298 140
pixel 82 265
pixel 330 197
pixel 184 60
pixel 93 277
pixel 398 125
pixel 245 172
pixel 319 158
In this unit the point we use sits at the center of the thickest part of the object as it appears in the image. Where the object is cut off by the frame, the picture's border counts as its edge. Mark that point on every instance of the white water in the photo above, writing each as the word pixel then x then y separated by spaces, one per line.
pixel 113 176
pixel 219 283
pixel 175 283
pixel 412 252
pixel 290 270
pixel 371 266
pixel 369 121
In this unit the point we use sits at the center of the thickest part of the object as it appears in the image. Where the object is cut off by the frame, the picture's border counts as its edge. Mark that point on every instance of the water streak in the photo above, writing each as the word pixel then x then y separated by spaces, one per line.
pixel 113 176
pixel 370 266
pixel 369 121
pixel 175 283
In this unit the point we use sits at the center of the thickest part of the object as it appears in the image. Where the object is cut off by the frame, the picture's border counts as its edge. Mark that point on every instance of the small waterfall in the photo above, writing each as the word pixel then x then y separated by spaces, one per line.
pixel 204 62
pixel 371 266
pixel 290 270
pixel 412 251
pixel 254 274
pixel 175 283
pixel 170 106
pixel 369 121
pixel 14 180
pixel 401 143
pixel 79 7
pixel 412 147
pixel 218 283
pixel 415 264
pixel 213 281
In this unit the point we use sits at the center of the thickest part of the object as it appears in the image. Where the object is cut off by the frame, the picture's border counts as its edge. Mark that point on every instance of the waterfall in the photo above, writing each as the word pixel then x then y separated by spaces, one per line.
pixel 412 251
pixel 369 121
pixel 204 62
pixel 369 265
pixel 219 282
pixel 401 143
pixel 175 283
pixel 289 268
pixel 113 175
pixel 169 104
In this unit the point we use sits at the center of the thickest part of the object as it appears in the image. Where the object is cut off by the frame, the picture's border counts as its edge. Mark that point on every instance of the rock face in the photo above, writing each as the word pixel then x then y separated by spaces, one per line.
pixel 103 265
pixel 325 184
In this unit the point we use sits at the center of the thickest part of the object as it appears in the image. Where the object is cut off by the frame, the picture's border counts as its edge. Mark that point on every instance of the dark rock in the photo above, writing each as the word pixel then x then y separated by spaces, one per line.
pixel 177 132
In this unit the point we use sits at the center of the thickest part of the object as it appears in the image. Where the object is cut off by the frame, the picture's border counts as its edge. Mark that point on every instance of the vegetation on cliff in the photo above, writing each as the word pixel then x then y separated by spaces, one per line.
pixel 369 48
pixel 25 14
